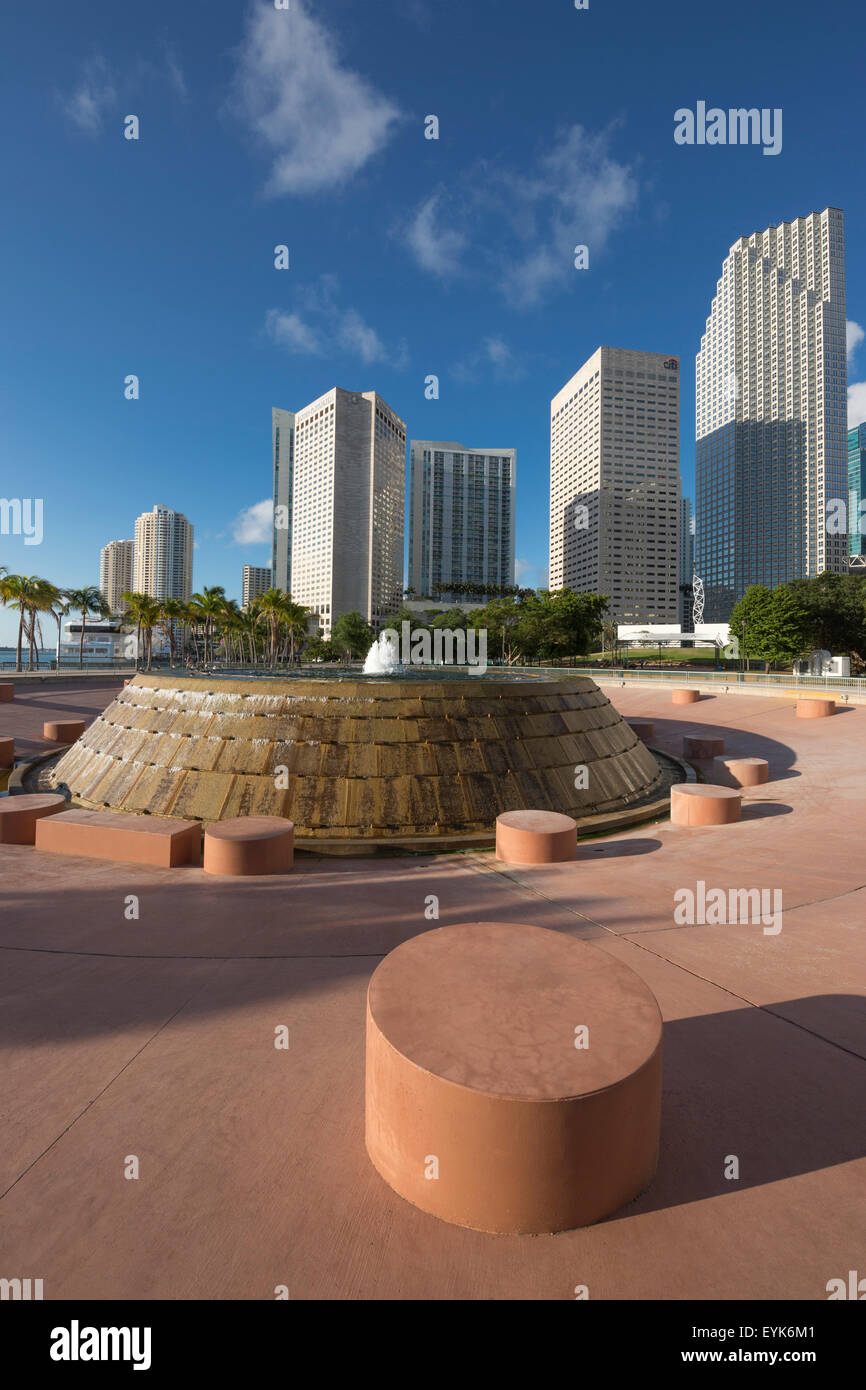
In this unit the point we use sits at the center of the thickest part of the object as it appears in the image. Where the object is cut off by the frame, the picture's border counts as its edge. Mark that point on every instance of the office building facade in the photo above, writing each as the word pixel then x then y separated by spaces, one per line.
pixel 614 484
pixel 461 517
pixel 346 504
pixel 283 445
pixel 116 573
pixel 857 491
pixel 162 565
pixel 771 407
pixel 256 580
pixel 687 563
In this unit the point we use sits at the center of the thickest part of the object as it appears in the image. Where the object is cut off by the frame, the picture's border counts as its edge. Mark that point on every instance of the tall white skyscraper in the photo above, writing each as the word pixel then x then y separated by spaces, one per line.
pixel 283 441
pixel 461 516
pixel 256 580
pixel 346 505
pixel 163 554
pixel 615 484
pixel 115 572
pixel 772 411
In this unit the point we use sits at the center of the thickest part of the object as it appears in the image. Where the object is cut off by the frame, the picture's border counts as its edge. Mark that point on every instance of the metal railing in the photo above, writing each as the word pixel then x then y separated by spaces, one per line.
pixel 855 685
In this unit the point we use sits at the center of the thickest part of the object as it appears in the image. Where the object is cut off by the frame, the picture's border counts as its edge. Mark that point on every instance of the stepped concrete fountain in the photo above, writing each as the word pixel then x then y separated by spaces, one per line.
pixel 349 759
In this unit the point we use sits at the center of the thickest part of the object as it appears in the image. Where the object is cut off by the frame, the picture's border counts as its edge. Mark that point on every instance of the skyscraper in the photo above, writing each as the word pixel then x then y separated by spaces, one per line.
pixel 687 563
pixel 115 572
pixel 345 494
pixel 461 516
pixel 256 580
pixel 857 490
pixel 283 436
pixel 771 411
pixel 162 565
pixel 615 484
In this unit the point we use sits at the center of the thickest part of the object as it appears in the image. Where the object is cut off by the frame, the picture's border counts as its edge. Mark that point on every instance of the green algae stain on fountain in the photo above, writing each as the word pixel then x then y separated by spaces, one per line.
pixel 360 758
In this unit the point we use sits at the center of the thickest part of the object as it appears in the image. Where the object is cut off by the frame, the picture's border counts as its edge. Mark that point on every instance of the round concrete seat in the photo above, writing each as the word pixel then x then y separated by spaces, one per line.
pixel 644 731
pixel 699 804
pixel 815 709
pixel 701 748
pixel 7 692
pixel 685 697
pixel 535 837
pixel 513 1078
pixel 741 772
pixel 63 730
pixel 19 814
pixel 7 752
pixel 249 845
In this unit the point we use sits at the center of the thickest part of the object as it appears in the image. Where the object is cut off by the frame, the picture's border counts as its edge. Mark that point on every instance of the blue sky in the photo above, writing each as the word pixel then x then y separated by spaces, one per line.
pixel 409 256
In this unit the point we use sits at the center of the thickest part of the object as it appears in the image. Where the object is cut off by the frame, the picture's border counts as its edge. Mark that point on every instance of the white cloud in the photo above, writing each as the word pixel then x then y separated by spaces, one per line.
pixel 578 196
pixel 319 121
pixel 357 337
pixel 174 73
pixel 323 326
pixel 524 226
pixel 254 525
pixel 92 98
pixel 856 404
pixel 435 248
pixel 493 358
pixel 290 331
pixel 854 336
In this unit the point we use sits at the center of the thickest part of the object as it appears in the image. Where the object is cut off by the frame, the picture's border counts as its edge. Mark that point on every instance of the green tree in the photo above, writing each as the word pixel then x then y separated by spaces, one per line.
pixel 146 613
pixel 352 635
pixel 209 607
pixel 89 602
pixel 171 611
pixel 454 619
pixel 836 605
pixel 771 624
pixel 317 649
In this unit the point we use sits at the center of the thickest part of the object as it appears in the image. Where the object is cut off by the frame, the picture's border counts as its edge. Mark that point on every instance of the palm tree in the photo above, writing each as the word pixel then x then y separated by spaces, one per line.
pixel 136 609
pixel 24 592
pixel 88 601
pixel 146 613
pixel 295 622
pixel 43 599
pixel 228 622
pixel 171 610
pixel 271 609
pixel 209 606
pixel 59 610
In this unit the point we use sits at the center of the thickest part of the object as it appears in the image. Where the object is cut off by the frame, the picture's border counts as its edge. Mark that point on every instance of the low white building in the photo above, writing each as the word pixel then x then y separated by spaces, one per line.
pixel 670 635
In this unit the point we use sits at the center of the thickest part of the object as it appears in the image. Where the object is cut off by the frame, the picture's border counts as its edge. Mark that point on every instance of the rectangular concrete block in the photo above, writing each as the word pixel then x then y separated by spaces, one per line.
pixel 165 844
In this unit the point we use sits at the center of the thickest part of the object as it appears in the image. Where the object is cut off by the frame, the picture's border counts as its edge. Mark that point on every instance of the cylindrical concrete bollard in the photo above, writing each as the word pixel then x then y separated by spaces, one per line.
pixel 19 814
pixel 815 709
pixel 535 837
pixel 685 697
pixel 7 752
pixel 513 1078
pixel 63 730
pixel 741 772
pixel 249 845
pixel 7 692
pixel 699 804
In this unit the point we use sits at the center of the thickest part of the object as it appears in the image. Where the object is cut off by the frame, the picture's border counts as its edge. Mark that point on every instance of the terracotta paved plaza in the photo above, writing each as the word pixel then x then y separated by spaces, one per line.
pixel 155 1038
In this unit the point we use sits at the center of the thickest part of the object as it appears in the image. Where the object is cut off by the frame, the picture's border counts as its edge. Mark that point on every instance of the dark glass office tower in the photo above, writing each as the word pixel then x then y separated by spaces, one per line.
pixel 771 452
pixel 856 490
